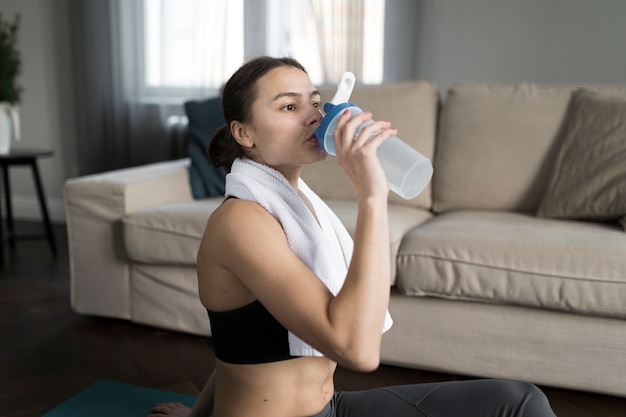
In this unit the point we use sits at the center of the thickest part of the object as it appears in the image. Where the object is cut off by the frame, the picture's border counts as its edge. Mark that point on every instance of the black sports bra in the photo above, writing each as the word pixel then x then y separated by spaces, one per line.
pixel 249 335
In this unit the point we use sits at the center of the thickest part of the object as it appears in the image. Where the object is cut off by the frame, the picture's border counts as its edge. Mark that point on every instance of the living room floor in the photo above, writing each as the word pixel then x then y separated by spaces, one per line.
pixel 49 353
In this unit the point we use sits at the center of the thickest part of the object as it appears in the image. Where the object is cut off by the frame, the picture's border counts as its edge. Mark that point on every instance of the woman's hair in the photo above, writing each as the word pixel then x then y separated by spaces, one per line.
pixel 238 96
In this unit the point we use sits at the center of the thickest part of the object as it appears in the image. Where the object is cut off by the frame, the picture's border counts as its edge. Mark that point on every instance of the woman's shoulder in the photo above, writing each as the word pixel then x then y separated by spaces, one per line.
pixel 236 210
pixel 238 237
pixel 237 218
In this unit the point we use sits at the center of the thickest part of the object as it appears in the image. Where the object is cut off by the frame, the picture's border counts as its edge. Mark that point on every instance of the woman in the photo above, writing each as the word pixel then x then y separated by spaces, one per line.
pixel 288 294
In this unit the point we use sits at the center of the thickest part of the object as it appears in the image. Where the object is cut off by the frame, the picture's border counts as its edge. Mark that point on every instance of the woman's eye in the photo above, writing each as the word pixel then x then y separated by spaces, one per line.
pixel 316 104
pixel 289 107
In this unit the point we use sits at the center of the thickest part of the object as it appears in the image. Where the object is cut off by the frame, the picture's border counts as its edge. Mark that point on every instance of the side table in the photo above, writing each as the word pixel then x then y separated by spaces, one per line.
pixel 23 157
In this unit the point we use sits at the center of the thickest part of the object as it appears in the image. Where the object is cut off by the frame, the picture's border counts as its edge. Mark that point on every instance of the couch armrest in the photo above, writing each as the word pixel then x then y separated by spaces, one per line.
pixel 95 205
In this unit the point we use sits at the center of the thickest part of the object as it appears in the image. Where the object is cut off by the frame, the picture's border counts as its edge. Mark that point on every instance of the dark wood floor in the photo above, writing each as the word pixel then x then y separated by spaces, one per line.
pixel 48 353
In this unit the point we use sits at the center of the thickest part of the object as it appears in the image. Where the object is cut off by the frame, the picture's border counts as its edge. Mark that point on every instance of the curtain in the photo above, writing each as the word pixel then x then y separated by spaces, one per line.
pixel 122 118
pixel 102 119
pixel 403 37
pixel 114 130
pixel 339 25
pixel 360 35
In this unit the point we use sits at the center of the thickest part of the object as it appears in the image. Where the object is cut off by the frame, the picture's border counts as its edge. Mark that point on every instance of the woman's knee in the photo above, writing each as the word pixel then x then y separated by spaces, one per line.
pixel 530 400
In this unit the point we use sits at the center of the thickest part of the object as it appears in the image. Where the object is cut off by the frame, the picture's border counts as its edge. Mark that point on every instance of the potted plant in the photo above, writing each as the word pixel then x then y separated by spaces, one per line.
pixel 10 90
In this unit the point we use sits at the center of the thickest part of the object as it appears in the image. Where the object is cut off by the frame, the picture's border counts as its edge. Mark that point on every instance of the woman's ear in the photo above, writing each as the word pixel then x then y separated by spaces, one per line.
pixel 241 134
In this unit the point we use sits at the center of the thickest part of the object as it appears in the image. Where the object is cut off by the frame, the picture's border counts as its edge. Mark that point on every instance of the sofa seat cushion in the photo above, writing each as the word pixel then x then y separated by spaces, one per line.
pixel 402 219
pixel 512 258
pixel 169 234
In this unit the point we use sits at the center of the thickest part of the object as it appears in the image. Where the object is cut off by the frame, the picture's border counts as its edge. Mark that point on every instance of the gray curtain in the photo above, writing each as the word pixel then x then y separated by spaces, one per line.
pixel 114 131
pixel 403 20
pixel 337 55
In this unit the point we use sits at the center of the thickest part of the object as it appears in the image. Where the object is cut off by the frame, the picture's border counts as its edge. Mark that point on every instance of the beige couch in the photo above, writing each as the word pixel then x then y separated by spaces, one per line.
pixel 482 286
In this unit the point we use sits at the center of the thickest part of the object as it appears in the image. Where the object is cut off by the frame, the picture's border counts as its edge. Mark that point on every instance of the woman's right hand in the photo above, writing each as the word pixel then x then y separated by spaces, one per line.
pixel 358 157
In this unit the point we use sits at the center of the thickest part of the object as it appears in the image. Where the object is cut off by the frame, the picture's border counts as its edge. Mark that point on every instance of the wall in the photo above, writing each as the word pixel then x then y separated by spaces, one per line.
pixel 47 104
pixel 513 41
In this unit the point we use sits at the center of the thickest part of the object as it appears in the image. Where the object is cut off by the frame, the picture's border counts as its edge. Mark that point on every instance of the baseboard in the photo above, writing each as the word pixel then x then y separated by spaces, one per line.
pixel 27 208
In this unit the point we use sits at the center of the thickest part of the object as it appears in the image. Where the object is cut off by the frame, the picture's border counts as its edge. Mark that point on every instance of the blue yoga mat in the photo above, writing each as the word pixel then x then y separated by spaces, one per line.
pixel 107 398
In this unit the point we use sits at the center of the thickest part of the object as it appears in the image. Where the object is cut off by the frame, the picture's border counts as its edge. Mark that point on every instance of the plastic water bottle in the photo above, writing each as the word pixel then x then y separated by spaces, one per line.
pixel 407 170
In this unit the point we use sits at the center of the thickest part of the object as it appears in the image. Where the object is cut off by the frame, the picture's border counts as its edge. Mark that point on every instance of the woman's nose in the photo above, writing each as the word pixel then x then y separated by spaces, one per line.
pixel 316 116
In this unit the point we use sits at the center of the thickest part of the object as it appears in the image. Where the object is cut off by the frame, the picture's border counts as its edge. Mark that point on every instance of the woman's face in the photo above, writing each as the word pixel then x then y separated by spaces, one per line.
pixel 285 115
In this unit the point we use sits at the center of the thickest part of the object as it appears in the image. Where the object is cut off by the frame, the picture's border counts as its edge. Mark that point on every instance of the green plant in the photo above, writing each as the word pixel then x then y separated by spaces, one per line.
pixel 10 61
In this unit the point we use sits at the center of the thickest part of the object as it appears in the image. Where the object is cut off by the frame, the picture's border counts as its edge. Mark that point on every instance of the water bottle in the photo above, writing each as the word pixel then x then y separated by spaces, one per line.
pixel 407 170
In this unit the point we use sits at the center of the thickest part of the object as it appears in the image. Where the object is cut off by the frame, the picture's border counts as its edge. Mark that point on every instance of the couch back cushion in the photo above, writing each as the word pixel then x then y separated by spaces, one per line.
pixel 497 144
pixel 205 118
pixel 410 106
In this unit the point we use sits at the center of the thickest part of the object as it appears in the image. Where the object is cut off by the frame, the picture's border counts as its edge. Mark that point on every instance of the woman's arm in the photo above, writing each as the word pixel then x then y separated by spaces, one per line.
pixel 204 404
pixel 248 242
pixel 364 297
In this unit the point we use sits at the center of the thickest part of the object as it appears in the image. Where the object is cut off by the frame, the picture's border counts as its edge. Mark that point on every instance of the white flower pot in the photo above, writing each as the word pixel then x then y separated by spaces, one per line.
pixel 9 126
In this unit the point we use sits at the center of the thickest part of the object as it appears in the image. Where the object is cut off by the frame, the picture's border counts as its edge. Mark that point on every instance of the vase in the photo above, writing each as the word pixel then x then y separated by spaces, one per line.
pixel 9 126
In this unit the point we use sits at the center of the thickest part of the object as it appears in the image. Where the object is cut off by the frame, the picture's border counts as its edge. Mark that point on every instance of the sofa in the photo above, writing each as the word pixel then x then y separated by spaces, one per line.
pixel 489 278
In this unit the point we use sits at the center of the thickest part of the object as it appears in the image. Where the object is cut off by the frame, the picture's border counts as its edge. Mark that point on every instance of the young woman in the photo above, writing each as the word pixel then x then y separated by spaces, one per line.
pixel 289 294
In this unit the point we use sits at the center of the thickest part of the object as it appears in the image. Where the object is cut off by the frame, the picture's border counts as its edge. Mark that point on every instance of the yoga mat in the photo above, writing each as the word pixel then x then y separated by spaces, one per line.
pixel 107 398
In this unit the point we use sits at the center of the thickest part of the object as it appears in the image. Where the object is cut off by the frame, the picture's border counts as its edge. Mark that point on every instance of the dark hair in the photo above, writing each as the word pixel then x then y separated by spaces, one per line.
pixel 238 96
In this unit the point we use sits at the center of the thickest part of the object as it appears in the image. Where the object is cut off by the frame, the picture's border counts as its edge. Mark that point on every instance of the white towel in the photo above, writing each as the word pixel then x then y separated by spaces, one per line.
pixel 326 247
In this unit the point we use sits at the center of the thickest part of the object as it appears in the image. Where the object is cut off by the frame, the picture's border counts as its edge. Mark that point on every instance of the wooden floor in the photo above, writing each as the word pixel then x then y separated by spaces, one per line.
pixel 48 353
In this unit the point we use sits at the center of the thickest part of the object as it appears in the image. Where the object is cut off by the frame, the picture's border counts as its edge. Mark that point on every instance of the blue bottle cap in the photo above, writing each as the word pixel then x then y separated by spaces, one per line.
pixel 324 132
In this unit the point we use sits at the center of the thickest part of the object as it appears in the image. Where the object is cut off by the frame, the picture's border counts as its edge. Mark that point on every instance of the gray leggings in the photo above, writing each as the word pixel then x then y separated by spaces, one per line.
pixel 476 398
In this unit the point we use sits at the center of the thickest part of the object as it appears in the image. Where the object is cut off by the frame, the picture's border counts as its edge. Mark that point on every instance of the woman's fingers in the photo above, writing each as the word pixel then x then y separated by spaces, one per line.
pixel 356 142
pixel 350 136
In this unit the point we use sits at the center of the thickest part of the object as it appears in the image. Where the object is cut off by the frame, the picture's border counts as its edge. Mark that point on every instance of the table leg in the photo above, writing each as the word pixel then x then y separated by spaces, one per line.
pixel 9 208
pixel 1 242
pixel 44 207
pixel 2 225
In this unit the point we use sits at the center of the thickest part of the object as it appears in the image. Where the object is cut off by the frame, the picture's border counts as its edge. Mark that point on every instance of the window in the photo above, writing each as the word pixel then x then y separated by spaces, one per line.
pixel 191 43
pixel 197 44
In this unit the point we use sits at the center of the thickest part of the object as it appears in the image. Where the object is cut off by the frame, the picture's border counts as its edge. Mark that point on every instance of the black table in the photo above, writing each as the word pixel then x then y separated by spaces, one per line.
pixel 29 157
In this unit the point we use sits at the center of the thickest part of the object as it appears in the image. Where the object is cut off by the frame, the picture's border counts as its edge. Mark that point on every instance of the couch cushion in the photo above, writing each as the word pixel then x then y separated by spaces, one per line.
pixel 589 177
pixel 401 219
pixel 168 234
pixel 171 234
pixel 500 257
pixel 496 144
pixel 412 109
